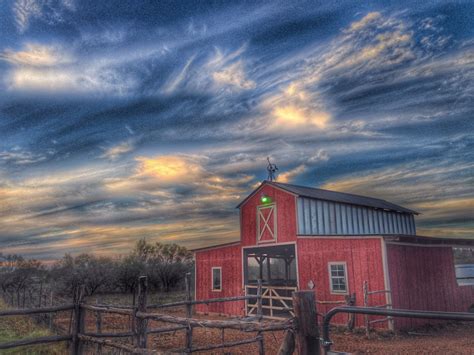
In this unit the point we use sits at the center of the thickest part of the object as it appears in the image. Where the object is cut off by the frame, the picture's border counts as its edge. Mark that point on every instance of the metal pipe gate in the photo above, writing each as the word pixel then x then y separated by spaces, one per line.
pixel 326 341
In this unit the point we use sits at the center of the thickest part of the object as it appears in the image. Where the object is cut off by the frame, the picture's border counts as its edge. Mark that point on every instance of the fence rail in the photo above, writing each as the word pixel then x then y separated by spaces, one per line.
pixel 326 341
pixel 35 341
pixel 141 314
pixel 366 294
pixel 30 311
pixel 301 331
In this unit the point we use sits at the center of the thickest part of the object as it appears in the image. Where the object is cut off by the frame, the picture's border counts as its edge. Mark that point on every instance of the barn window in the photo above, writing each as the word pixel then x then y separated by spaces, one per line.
pixel 465 274
pixel 216 279
pixel 338 277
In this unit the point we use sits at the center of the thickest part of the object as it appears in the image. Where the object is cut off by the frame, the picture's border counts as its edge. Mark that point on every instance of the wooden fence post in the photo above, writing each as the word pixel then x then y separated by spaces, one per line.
pixel 40 294
pixel 189 312
pixel 79 315
pixel 50 318
pixel 141 325
pixel 287 347
pixel 259 299
pixel 350 301
pixel 98 325
pixel 261 343
pixel 24 295
pixel 307 332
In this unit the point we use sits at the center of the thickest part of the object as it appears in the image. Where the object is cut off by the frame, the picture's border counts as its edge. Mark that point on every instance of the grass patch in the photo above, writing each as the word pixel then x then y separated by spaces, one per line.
pixel 23 327
pixel 127 299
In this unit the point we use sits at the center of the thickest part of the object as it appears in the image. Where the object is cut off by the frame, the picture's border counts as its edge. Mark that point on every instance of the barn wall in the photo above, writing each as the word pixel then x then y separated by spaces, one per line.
pixel 229 259
pixel 318 217
pixel 286 216
pixel 423 278
pixel 364 262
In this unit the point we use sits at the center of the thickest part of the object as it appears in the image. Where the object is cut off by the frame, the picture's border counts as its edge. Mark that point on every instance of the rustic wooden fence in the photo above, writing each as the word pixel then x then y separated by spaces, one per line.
pixel 367 293
pixel 40 340
pixel 349 300
pixel 301 331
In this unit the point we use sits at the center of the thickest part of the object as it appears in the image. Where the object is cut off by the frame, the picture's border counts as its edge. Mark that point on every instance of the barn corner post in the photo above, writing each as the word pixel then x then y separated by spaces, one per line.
pixel 307 332
pixel 141 323
pixel 189 311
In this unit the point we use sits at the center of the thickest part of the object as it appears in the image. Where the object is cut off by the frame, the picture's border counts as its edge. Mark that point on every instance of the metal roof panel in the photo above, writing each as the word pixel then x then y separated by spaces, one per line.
pixel 341 197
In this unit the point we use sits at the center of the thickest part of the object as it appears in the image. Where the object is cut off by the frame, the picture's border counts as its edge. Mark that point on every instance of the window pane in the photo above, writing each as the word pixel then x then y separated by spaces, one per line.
pixel 277 269
pixel 216 279
pixel 293 270
pixel 338 278
pixel 253 269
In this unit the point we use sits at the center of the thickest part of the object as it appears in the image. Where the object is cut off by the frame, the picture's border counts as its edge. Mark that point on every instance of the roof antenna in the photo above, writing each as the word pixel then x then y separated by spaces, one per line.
pixel 271 168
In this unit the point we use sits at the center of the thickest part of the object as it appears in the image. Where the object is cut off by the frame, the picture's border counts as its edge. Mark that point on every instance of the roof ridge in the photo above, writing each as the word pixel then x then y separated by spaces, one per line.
pixel 339 192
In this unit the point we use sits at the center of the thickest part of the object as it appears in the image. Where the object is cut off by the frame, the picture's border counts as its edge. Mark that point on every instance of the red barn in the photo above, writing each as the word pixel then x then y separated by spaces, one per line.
pixel 294 237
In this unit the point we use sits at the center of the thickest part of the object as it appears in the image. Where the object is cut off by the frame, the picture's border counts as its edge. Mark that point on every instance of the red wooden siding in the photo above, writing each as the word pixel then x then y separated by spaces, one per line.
pixel 229 259
pixel 423 278
pixel 363 257
pixel 286 216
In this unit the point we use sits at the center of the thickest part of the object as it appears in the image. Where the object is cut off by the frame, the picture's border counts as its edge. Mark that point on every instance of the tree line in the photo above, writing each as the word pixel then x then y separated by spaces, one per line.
pixel 165 265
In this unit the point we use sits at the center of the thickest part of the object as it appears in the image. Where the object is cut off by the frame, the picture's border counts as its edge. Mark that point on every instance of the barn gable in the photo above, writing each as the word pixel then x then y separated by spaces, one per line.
pixel 268 215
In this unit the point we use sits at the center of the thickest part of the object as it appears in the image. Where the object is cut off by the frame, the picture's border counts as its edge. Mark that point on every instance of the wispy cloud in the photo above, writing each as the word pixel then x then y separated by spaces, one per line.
pixel 234 75
pixel 118 150
pixel 48 11
pixel 19 156
pixel 36 55
pixel 438 189
pixel 289 175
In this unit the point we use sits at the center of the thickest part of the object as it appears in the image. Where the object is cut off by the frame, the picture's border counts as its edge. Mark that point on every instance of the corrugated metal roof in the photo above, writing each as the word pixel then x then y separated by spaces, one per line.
pixel 335 196
pixel 341 197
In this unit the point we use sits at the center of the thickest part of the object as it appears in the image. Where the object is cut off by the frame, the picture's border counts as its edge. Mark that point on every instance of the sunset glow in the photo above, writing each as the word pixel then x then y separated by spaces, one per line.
pixel 129 119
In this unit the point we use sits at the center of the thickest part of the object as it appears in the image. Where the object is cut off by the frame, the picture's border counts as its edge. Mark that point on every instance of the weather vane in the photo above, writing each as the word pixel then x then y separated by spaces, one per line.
pixel 271 168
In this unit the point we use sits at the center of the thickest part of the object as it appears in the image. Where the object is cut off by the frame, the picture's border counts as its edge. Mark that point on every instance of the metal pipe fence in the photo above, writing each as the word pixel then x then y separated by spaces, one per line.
pixel 406 313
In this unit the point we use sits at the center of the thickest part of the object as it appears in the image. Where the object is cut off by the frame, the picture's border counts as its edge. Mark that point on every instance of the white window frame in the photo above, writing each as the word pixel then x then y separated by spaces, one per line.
pixel 267 223
pixel 212 278
pixel 331 289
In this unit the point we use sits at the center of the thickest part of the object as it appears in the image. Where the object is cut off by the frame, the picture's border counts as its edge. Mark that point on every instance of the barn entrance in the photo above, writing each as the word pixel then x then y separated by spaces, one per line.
pixel 276 266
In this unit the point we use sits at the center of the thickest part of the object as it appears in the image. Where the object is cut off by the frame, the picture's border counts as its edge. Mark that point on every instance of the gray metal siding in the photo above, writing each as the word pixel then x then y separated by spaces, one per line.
pixel 317 217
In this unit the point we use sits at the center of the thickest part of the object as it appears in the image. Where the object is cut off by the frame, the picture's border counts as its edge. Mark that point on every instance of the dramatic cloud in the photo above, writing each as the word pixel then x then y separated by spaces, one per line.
pixel 154 120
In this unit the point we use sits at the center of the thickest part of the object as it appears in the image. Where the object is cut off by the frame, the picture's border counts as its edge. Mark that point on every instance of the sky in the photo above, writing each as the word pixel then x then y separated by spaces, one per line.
pixel 122 120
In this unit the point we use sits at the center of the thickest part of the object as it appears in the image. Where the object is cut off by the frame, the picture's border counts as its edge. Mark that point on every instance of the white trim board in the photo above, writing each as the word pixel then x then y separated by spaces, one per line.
pixel 346 277
pixel 425 245
pixel 386 277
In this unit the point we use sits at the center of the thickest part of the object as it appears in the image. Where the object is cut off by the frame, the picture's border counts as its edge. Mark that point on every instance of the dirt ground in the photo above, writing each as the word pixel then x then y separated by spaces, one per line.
pixel 453 338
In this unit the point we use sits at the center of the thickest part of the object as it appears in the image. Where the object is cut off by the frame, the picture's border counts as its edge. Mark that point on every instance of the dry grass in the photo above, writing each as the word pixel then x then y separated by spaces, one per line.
pixel 23 327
